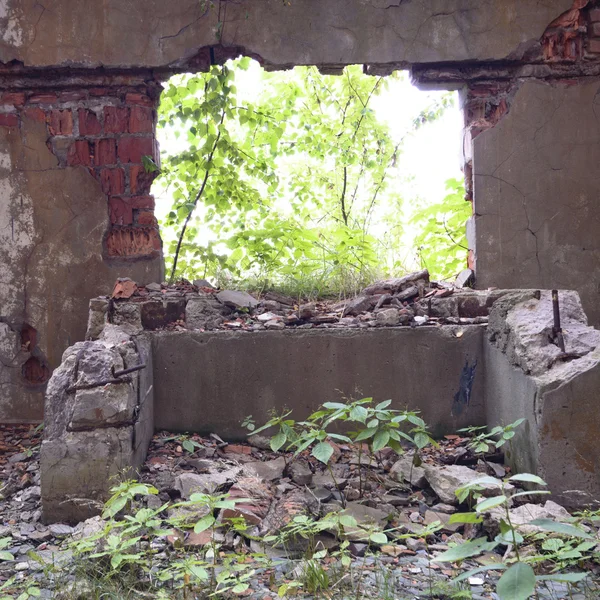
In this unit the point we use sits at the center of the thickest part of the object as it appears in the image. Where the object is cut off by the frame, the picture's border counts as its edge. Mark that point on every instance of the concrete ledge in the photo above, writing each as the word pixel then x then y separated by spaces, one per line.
pixel 209 382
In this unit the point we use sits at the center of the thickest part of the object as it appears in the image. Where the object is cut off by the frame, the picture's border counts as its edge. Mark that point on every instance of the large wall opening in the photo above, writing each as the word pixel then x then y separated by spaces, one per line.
pixel 308 182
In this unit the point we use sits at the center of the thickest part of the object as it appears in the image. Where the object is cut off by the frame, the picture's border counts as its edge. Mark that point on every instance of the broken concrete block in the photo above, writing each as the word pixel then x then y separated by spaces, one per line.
pixel 204 312
pixel 404 470
pixel 96 318
pixel 128 316
pixel 444 481
pixel 235 299
pixel 388 316
pixel 105 405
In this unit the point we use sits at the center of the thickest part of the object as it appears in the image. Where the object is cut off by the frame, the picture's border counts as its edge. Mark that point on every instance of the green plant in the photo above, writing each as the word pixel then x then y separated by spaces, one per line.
pixel 518 581
pixel 482 441
pixel 284 186
pixel 124 494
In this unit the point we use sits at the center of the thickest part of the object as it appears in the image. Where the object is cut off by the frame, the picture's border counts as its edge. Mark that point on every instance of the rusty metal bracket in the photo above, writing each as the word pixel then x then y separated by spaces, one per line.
pixel 557 334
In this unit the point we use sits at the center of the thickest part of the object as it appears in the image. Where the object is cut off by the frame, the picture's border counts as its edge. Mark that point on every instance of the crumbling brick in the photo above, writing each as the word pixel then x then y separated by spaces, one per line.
pixel 131 149
pixel 9 120
pixel 89 123
pixel 116 119
pixel 141 99
pixel 140 180
pixel 43 98
pixel 105 152
pixel 14 98
pixel 112 181
pixel 60 122
pixel 120 211
pixel 79 154
pixel 141 120
pixel 129 242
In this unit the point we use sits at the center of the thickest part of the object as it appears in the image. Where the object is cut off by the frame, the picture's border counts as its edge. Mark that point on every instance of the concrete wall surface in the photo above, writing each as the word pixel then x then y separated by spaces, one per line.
pixel 154 33
pixel 526 376
pixel 52 223
pixel 210 382
pixel 537 195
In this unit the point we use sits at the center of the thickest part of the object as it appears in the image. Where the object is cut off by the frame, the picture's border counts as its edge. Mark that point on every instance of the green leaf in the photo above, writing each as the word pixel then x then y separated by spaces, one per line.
pixel 378 538
pixel 528 477
pixel 204 523
pixel 359 414
pixel 380 440
pixel 6 556
pixel 322 452
pixel 490 503
pixel 188 445
pixel 494 567
pixel 563 528
pixel 564 577
pixel 383 405
pixel 517 583
pixel 421 440
pixel 466 550
pixel 278 440
pixel 465 518
pixel 365 434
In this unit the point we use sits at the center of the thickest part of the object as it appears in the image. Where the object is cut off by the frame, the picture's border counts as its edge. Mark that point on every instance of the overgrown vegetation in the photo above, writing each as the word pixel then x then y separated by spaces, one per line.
pixel 295 187
pixel 140 548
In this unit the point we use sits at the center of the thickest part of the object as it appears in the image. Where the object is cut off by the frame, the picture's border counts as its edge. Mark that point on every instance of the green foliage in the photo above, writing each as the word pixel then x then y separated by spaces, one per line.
pixel 442 242
pixel 518 582
pixel 284 187
pixel 483 441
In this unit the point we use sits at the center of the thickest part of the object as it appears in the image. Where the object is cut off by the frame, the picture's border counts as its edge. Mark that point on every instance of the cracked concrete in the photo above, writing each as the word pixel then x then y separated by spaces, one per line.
pixel 52 221
pixel 151 33
pixel 534 173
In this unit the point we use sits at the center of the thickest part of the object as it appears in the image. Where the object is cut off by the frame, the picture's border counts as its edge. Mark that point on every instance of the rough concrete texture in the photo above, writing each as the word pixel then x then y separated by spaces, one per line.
pixel 152 33
pixel 211 381
pixel 526 378
pixel 97 424
pixel 537 199
pixel 52 221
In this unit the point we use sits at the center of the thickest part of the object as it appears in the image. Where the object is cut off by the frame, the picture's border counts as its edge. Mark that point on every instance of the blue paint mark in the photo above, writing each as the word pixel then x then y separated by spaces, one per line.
pixel 462 398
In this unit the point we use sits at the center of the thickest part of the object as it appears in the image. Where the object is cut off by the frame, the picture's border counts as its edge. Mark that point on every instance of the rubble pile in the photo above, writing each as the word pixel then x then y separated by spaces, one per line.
pixel 412 300
pixel 385 491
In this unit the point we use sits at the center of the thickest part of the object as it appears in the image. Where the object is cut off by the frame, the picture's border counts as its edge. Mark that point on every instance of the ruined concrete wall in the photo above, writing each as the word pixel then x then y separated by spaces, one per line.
pixel 75 212
pixel 526 376
pixel 99 422
pixel 153 33
pixel 537 202
pixel 212 381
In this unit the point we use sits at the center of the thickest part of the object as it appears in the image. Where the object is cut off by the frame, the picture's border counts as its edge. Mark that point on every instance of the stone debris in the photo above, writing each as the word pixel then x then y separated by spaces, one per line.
pixel 272 490
pixel 412 300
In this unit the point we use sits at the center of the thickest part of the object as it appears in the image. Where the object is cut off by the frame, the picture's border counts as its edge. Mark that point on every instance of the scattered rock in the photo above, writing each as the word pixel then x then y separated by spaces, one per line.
pixel 269 470
pixel 237 300
pixel 404 470
pixel 300 473
pixel 388 316
pixel 446 480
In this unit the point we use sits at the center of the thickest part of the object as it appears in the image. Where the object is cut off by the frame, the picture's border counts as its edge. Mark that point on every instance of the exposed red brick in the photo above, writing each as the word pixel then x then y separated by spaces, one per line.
pixel 101 91
pixel 9 120
pixel 44 98
pixel 79 154
pixel 105 152
pixel 37 114
pixel 141 120
pixel 88 123
pixel 238 449
pixel 112 181
pixel 594 15
pixel 123 242
pixel 120 211
pixel 131 149
pixel 140 99
pixel 140 181
pixel 14 98
pixel 145 217
pixel 471 260
pixel 142 202
pixel 72 96
pixel 593 46
pixel 115 119
pixel 60 122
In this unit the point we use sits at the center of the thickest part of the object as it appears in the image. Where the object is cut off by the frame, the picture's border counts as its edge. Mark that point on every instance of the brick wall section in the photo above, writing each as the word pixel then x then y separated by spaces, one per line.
pixel 108 131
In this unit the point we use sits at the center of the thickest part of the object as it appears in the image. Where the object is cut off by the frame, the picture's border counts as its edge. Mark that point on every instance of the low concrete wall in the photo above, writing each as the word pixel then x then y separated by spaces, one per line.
pixel 209 382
